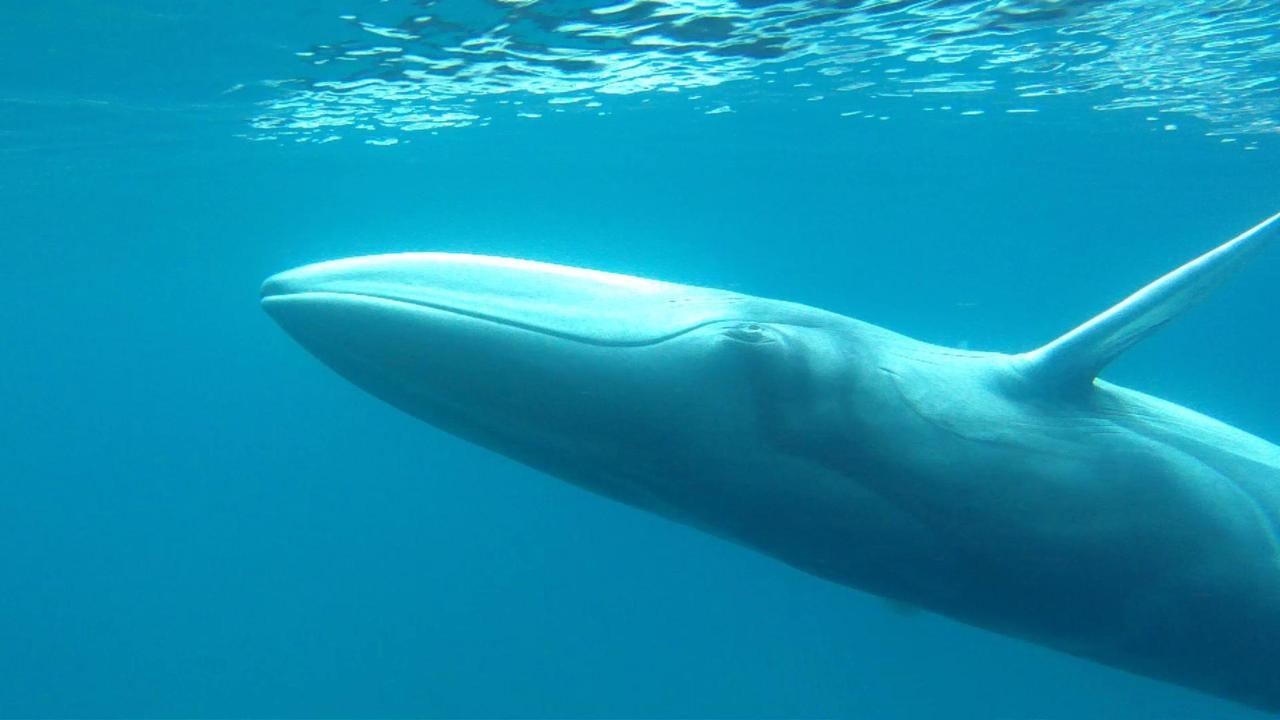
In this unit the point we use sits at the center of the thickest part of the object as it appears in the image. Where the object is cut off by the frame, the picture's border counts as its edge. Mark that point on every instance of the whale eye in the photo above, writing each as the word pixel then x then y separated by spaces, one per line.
pixel 749 333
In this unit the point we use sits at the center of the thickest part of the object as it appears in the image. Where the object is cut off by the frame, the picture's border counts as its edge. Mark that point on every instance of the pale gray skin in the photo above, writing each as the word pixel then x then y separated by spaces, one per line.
pixel 1010 492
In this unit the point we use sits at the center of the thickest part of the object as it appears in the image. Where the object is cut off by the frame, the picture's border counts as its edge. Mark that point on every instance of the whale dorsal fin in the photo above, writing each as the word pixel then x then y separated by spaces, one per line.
pixel 1077 357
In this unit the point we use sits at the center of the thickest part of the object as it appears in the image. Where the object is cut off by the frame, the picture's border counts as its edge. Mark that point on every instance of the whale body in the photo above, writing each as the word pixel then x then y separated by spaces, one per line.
pixel 1013 492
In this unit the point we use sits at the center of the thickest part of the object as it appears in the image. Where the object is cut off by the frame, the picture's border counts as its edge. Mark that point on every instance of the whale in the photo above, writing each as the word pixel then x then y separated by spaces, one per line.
pixel 1015 492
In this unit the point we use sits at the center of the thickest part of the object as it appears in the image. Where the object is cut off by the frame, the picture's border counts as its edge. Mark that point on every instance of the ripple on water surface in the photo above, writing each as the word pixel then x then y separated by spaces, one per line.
pixel 422 65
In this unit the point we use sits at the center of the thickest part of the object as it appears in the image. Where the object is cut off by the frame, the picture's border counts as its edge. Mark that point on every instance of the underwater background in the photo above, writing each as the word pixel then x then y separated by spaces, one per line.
pixel 199 519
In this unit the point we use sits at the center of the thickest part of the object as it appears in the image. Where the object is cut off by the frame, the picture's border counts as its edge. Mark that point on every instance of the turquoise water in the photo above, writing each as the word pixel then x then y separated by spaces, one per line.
pixel 201 520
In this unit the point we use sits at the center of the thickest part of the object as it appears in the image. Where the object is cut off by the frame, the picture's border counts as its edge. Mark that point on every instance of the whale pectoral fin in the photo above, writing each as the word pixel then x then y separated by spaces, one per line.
pixel 1077 357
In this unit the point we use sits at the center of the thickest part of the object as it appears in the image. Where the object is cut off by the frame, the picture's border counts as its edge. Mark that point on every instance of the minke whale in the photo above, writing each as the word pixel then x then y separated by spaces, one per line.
pixel 1014 492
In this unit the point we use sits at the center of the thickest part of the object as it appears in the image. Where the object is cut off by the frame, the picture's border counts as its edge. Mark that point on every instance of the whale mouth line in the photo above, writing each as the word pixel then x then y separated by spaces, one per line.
pixel 270 297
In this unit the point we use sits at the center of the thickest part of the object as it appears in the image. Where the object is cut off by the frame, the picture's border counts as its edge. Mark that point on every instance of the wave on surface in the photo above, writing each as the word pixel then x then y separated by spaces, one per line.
pixel 422 65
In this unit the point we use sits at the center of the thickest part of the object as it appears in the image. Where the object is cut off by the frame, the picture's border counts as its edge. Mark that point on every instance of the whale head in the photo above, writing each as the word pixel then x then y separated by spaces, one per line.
pixel 645 391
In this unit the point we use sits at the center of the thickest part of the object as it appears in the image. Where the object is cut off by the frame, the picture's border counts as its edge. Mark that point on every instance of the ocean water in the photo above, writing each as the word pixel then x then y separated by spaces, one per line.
pixel 199 519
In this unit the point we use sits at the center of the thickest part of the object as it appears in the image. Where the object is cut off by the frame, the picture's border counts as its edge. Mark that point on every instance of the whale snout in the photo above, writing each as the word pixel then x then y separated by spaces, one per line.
pixel 277 285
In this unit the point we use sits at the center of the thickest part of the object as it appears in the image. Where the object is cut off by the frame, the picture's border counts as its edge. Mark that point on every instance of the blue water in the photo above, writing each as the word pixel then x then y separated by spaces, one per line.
pixel 199 519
